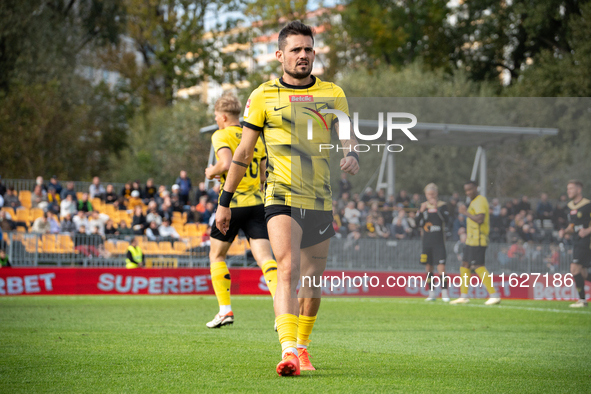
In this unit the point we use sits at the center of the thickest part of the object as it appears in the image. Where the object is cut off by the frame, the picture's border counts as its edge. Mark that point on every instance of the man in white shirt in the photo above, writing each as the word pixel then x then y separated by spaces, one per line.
pixel 166 230
pixel 98 219
pixel 352 214
pixel 67 206
pixel 81 220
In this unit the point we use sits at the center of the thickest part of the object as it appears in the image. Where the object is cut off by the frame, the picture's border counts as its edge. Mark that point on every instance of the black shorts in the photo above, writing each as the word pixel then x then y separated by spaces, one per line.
pixel 433 254
pixel 474 254
pixel 251 220
pixel 582 256
pixel 316 225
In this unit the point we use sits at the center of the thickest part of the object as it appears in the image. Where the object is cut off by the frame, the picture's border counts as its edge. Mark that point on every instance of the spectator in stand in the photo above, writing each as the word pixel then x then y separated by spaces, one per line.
pixel 120 204
pixel 80 221
pixel 96 189
pixel 138 223
pixel 166 209
pixel 84 204
pixel 152 232
pixel 352 214
pixel 381 229
pixel 97 241
pixel 367 195
pixel 175 201
pixel 2 187
pixel 208 214
pixel 343 202
pixel 370 228
pixel 11 199
pixel 344 184
pixel 98 220
pixel 353 237
pixel 41 225
pixel 135 201
pixel 398 229
pixel 53 182
pixel 201 191
pixel 495 208
pixel 553 259
pixel 67 225
pixel 126 191
pixel 201 206
pixel 524 204
pixel 53 201
pixel 167 232
pixel 4 263
pixel 110 195
pixel 402 200
pixel 6 223
pixel 110 230
pixel 214 193
pixel 185 187
pixel 54 225
pixel 69 190
pixel 412 224
pixel 38 198
pixel 499 225
pixel 150 190
pixel 193 216
pixel 560 213
pixel 544 209
pixel 153 215
pixel 1 201
pixel 515 204
pixel 162 193
pixel 39 182
pixel 453 206
pixel 337 223
pixel 460 244
pixel 135 185
pixel 363 212
pixel 123 229
pixel 459 222
pixel 68 206
pixel 516 251
pixel 415 201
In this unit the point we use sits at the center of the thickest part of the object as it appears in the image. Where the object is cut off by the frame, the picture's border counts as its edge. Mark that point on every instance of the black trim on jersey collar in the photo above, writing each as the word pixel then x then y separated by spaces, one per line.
pixel 251 126
pixel 236 125
pixel 298 87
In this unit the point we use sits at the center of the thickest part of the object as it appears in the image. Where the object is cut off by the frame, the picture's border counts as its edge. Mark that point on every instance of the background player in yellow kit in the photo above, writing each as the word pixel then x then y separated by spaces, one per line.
pixel 298 198
pixel 477 229
pixel 247 209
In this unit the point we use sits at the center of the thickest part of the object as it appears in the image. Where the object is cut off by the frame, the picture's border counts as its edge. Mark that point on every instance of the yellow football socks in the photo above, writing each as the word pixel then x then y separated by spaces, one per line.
pixel 486 279
pixel 465 274
pixel 305 326
pixel 287 328
pixel 270 273
pixel 220 280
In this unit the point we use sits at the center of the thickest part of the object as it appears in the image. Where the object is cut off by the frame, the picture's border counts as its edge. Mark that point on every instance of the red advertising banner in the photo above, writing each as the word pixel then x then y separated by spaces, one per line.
pixel 250 281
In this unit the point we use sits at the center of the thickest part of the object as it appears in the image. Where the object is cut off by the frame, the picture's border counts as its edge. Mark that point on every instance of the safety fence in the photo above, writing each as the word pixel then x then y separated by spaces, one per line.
pixel 29 249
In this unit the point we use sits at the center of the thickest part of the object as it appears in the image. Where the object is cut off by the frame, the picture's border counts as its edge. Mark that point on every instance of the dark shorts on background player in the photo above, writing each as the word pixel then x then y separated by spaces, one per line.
pixel 474 254
pixel 251 220
pixel 582 256
pixel 316 225
pixel 433 254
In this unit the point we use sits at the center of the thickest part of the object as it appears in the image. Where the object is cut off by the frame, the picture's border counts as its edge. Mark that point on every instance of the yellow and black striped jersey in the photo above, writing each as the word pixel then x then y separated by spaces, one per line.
pixel 293 127
pixel 248 192
pixel 477 234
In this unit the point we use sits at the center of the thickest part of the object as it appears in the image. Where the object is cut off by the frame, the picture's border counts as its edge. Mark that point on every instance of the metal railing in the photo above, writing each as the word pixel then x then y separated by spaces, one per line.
pixel 28 249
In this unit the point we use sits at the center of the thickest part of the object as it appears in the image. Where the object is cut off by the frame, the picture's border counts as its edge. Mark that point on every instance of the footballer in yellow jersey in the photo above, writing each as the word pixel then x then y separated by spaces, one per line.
pixel 247 208
pixel 248 192
pixel 477 229
pixel 289 113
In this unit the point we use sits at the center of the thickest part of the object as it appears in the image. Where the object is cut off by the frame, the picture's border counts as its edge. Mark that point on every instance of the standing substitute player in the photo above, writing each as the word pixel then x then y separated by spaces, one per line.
pixel 298 198
pixel 477 229
pixel 579 218
pixel 247 208
pixel 433 217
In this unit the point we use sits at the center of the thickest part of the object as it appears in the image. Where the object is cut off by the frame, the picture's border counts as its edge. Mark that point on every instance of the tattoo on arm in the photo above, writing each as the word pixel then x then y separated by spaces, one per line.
pixel 240 164
pixel 319 257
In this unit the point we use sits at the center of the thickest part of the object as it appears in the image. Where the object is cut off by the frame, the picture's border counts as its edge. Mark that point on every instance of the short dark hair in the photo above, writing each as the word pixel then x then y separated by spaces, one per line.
pixel 576 182
pixel 471 182
pixel 294 28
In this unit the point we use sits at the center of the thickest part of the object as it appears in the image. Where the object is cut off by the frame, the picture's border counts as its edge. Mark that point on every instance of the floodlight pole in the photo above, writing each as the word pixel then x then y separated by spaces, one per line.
pixel 210 162
pixel 480 160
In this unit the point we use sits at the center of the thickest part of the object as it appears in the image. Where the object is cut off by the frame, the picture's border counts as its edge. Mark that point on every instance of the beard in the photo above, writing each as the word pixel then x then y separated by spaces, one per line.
pixel 299 74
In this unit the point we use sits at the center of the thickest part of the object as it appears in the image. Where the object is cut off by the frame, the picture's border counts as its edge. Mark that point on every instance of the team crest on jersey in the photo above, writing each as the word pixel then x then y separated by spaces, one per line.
pixel 580 215
pixel 302 98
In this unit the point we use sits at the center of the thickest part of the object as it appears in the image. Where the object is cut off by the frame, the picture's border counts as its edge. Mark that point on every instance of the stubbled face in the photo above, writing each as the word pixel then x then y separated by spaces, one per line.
pixel 298 56
pixel 573 191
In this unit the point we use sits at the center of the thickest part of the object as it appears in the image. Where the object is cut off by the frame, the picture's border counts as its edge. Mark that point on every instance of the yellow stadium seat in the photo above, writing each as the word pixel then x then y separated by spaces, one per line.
pixel 22 215
pixel 238 248
pixel 10 211
pixel 166 248
pixel 79 195
pixel 180 247
pixel 191 230
pixel 35 213
pixel 122 247
pixel 151 248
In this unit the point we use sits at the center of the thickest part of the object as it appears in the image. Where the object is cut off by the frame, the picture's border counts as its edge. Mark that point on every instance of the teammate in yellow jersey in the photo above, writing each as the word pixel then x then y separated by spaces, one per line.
pixel 298 198
pixel 477 229
pixel 247 209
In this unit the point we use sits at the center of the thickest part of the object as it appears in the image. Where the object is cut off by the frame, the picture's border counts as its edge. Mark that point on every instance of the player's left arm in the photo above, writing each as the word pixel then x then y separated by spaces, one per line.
pixel 479 212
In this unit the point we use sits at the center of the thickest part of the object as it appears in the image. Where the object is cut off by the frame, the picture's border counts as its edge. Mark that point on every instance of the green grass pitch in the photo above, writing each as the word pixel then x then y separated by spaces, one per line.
pixel 160 344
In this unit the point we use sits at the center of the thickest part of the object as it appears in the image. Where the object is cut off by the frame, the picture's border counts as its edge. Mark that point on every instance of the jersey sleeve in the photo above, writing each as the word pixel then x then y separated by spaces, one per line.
pixel 444 213
pixel 219 140
pixel 480 206
pixel 255 110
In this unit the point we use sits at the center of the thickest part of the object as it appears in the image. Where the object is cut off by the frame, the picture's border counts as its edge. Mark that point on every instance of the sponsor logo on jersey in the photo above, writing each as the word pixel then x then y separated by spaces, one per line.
pixel 303 98
pixel 247 108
